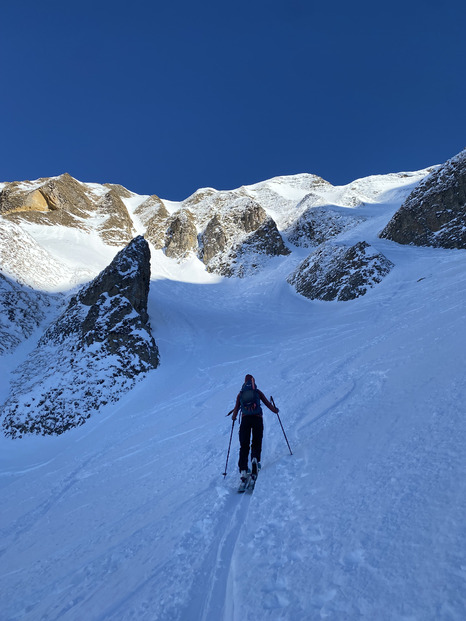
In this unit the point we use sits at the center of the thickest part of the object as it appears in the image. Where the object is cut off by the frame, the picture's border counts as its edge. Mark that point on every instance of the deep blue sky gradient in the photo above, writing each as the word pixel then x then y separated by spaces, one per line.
pixel 166 97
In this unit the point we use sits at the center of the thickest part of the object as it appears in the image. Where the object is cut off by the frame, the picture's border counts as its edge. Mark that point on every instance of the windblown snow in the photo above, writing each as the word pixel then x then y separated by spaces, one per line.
pixel 128 518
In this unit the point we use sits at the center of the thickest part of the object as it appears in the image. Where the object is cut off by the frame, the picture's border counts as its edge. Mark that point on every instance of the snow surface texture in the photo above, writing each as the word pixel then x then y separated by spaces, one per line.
pixel 92 354
pixel 128 518
pixel 25 261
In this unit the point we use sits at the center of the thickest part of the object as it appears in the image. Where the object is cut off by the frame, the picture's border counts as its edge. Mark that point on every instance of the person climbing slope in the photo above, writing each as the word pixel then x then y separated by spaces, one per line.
pixel 248 401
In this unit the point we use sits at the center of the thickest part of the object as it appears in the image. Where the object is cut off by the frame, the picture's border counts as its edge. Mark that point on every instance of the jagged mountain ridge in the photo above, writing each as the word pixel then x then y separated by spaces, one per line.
pixel 211 225
pixel 228 233
pixel 231 233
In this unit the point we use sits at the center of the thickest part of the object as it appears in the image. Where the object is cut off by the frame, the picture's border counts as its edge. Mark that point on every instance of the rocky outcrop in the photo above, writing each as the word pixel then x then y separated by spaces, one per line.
pixel 66 202
pixel 217 227
pixel 266 239
pixel 15 198
pixel 249 255
pixel 21 312
pixel 127 277
pixel 154 216
pixel 60 200
pixel 238 229
pixel 116 228
pixel 434 214
pixel 248 216
pixel 67 194
pixel 181 235
pixel 318 225
pixel 237 216
pixel 119 189
pixel 214 240
pixel 92 354
pixel 239 238
pixel 335 272
pixel 235 211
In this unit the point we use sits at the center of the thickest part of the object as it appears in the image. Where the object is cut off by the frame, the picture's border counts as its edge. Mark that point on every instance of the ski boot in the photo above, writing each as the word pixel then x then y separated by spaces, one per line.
pixel 256 466
pixel 245 476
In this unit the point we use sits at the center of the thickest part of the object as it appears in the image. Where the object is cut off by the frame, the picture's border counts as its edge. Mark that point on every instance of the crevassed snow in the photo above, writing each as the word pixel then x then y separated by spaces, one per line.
pixel 129 517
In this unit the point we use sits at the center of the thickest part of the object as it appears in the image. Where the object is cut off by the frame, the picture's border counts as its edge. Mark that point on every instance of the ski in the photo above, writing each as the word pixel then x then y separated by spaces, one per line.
pixel 248 485
pixel 251 483
pixel 244 485
pixel 255 468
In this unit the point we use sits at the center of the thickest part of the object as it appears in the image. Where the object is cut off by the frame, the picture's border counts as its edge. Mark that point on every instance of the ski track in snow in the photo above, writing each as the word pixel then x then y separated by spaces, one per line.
pixel 128 518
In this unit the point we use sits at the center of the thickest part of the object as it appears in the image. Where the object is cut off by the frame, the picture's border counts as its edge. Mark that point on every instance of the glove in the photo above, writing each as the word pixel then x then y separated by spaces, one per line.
pixel 234 417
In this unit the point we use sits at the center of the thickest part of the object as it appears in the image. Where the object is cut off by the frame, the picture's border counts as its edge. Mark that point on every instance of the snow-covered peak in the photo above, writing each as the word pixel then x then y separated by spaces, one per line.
pixel 80 226
pixel 382 187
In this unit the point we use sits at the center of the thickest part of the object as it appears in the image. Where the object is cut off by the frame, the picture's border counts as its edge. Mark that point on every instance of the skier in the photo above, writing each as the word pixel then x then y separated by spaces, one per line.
pixel 248 400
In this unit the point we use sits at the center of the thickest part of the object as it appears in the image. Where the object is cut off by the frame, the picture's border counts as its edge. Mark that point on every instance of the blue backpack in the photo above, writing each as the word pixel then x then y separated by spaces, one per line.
pixel 249 399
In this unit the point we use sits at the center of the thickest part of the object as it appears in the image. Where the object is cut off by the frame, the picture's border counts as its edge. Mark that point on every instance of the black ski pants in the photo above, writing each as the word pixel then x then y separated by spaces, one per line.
pixel 250 424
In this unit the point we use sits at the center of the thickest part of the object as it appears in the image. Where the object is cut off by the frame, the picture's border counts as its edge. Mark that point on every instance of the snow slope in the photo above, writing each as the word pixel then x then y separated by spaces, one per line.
pixel 129 517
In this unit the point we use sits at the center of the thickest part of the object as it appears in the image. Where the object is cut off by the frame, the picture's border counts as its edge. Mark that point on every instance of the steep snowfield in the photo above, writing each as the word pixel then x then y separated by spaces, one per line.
pixel 42 269
pixel 129 517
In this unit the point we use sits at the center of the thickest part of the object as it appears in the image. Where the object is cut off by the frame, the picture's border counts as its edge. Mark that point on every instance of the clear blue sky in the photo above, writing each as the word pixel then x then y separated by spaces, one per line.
pixel 166 97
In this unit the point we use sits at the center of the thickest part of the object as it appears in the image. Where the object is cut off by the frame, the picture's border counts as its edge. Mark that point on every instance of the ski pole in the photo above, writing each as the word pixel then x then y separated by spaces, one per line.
pixel 229 445
pixel 273 402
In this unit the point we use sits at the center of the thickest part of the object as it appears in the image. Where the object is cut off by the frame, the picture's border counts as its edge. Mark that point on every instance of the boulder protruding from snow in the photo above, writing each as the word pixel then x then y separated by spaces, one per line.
pixel 434 214
pixel 336 272
pixel 91 355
